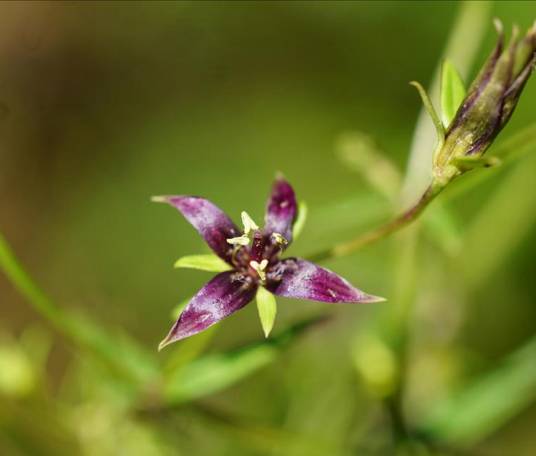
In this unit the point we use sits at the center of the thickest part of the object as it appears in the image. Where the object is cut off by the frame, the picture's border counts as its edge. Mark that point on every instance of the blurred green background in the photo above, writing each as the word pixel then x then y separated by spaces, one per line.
pixel 103 104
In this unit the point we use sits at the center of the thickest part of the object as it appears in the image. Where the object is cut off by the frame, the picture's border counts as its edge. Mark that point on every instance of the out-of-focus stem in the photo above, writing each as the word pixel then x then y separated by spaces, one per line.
pixel 376 234
pixel 80 332
pixel 27 287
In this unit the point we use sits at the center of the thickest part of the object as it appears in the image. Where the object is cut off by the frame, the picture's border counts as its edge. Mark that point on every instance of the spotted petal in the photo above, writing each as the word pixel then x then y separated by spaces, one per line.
pixel 226 293
pixel 281 209
pixel 297 278
pixel 209 220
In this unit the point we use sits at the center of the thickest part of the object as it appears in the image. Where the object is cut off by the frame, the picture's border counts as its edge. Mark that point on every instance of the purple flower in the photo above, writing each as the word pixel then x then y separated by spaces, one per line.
pixel 253 259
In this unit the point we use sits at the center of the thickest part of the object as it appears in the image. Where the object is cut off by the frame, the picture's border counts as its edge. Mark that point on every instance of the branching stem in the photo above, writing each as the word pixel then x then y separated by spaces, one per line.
pixel 379 233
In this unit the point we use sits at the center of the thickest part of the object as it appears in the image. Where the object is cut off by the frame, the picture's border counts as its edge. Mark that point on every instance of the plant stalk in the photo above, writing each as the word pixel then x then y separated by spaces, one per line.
pixel 382 231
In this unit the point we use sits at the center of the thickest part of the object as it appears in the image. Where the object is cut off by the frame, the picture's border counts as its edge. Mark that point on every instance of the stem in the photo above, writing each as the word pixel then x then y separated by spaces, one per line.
pixel 81 332
pixel 24 284
pixel 377 234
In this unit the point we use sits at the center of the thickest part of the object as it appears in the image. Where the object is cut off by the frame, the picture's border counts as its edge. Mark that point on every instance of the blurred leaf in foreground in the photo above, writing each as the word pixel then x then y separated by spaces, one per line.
pixel 215 372
pixel 487 402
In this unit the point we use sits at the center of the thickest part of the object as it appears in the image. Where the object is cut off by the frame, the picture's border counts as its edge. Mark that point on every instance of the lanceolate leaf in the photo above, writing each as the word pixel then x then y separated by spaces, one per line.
pixel 428 105
pixel 452 92
pixel 215 372
pixel 207 262
pixel 300 220
pixel 486 403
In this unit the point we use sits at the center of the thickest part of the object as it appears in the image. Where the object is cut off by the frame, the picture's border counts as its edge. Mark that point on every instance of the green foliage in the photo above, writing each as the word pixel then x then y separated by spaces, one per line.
pixel 452 92
pixel 212 373
pixel 209 262
pixel 267 308
pixel 218 124
pixel 299 224
pixel 429 106
pixel 487 402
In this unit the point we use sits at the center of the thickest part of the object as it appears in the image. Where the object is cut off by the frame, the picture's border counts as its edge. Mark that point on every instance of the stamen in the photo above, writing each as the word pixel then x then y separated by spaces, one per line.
pixel 249 224
pixel 240 240
pixel 279 239
pixel 260 268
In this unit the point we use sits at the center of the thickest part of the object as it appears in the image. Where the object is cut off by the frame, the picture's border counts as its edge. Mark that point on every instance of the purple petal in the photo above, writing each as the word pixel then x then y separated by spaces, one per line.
pixel 226 293
pixel 281 209
pixel 297 278
pixel 209 220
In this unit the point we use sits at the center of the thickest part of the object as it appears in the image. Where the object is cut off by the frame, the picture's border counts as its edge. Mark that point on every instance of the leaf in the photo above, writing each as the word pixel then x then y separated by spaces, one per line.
pixel 506 218
pixel 119 352
pixel 444 228
pixel 431 111
pixel 452 92
pixel 486 403
pixel 300 219
pixel 267 307
pixel 215 372
pixel 361 153
pixel 208 262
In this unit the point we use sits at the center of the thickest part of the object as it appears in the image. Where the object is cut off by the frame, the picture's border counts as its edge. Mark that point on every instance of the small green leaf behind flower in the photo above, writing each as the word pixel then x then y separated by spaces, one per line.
pixel 267 307
pixel 208 262
pixel 300 220
pixel 452 92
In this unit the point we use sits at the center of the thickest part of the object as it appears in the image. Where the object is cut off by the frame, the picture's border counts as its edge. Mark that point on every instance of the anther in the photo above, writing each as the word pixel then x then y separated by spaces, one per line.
pixel 249 224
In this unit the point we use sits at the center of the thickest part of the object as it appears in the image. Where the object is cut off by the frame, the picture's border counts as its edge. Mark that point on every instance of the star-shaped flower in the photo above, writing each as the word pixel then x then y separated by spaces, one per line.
pixel 254 267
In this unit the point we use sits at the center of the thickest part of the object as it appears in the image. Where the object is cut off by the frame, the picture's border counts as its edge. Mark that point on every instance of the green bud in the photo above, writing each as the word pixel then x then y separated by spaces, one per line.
pixel 488 105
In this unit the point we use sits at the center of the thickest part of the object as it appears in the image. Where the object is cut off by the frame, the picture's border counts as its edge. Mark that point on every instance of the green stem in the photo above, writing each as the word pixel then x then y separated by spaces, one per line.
pixel 25 285
pixel 79 331
pixel 382 231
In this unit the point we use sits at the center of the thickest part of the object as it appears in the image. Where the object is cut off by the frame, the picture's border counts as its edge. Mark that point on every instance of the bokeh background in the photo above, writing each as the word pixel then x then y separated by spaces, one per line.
pixel 103 104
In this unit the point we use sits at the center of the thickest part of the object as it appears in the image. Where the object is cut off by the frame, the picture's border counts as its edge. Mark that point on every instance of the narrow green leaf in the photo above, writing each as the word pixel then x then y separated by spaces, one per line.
pixel 486 403
pixel 121 354
pixel 300 220
pixel 479 261
pixel 444 228
pixel 431 111
pixel 452 92
pixel 267 307
pixel 361 153
pixel 215 372
pixel 209 262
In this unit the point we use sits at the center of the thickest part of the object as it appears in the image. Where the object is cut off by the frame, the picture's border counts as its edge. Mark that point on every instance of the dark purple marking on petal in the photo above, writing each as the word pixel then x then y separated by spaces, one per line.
pixel 281 209
pixel 209 220
pixel 226 293
pixel 297 278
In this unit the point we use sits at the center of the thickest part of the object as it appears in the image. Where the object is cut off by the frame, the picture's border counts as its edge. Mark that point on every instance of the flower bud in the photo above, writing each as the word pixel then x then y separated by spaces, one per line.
pixel 488 105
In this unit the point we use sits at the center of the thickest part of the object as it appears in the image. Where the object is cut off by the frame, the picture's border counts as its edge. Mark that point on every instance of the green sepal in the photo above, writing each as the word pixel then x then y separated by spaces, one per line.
pixel 208 262
pixel 267 307
pixel 452 92
pixel 468 163
pixel 300 220
pixel 440 130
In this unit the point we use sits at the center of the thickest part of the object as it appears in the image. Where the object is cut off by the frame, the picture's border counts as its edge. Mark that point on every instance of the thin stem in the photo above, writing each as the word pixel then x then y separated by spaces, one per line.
pixel 25 285
pixel 80 332
pixel 396 224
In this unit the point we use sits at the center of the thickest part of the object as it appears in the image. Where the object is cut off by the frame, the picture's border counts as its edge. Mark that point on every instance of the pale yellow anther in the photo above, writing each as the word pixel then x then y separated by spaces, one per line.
pixel 259 268
pixel 279 239
pixel 240 240
pixel 249 224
